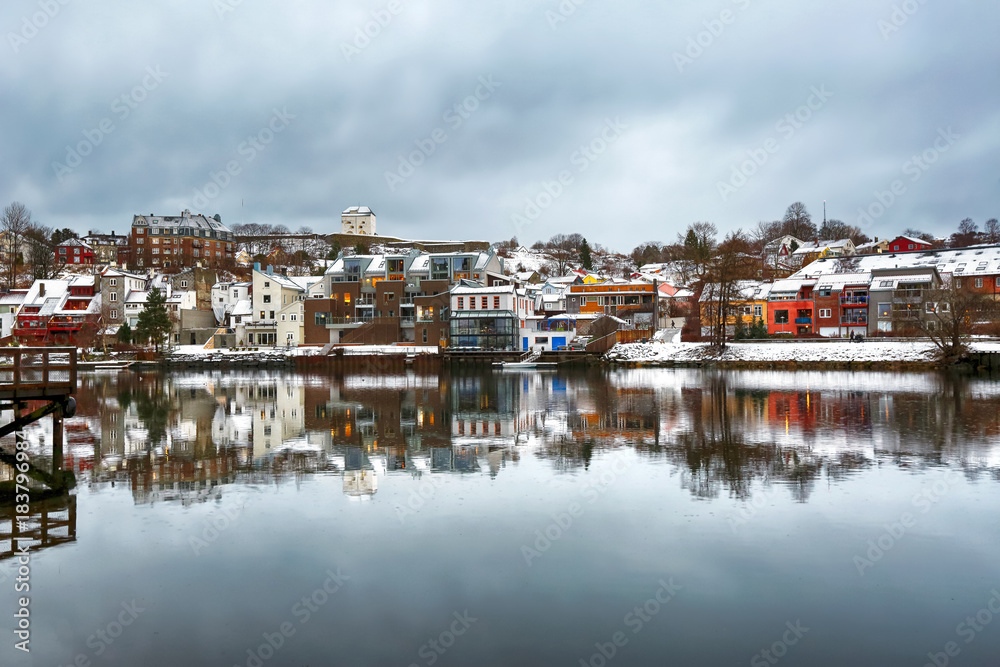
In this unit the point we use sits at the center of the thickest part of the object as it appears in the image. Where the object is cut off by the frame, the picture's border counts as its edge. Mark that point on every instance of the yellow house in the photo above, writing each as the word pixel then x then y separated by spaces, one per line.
pixel 749 304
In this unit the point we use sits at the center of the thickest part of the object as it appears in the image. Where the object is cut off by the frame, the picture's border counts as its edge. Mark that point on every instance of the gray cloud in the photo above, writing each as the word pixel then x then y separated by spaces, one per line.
pixel 355 114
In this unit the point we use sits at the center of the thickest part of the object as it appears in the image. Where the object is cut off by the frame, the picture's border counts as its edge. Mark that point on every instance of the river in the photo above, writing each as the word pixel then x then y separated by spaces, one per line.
pixel 627 517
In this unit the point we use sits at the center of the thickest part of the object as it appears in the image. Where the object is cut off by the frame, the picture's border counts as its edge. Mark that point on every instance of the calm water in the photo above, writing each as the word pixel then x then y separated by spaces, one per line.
pixel 643 517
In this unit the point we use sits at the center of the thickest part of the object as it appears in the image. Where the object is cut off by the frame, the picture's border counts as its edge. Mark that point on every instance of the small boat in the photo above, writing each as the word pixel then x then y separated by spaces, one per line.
pixel 524 365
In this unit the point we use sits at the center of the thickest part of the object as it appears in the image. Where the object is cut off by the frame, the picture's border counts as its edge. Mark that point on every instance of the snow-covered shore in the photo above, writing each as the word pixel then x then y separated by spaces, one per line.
pixel 819 352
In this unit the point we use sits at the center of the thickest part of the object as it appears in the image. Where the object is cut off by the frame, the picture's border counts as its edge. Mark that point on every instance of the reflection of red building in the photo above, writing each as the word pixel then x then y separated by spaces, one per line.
pixel 793 408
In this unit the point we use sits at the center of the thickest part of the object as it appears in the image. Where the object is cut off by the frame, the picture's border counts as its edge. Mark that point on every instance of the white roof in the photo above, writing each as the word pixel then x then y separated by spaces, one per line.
pixel 974 260
pixel 243 307
pixel 494 289
pixel 890 282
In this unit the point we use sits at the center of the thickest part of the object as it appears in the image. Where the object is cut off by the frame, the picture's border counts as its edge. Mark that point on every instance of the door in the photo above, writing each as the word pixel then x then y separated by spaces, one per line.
pixel 524 344
pixel 558 342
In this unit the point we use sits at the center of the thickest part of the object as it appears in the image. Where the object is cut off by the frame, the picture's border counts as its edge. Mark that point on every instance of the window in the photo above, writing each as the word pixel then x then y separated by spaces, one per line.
pixel 979 282
pixel 184 283
pixel 958 283
pixel 262 314
pixel 294 318
pixel 541 340
pixel 472 303
pixel 282 317
pixel 885 283
pixel 484 302
pixel 113 282
pixel 267 298
pixel 267 283
pixel 62 251
pixel 114 296
pixel 909 246
pixel 758 311
pixel 114 314
pixel 929 307
pixel 272 315
pixel 945 307
pixel 156 241
pixel 781 317
pixel 496 302
pixel 885 310
pixel 461 303
pixel 425 335
pixel 824 312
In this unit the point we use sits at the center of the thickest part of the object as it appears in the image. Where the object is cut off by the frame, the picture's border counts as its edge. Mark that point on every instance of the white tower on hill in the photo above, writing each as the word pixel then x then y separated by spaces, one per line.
pixel 358 220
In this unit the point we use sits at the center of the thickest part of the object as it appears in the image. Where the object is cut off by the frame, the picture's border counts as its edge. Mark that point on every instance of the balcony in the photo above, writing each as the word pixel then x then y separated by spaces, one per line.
pixel 803 320
pixel 853 320
pixel 335 322
pixel 853 301
pixel 407 321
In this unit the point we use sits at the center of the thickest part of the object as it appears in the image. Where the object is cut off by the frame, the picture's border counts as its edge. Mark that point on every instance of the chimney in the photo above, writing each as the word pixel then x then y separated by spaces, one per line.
pixel 41 288
pixel 270 270
pixel 256 266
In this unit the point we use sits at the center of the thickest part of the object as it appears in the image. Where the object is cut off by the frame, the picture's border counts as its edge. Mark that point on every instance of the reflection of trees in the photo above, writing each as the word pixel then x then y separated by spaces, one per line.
pixel 723 431
pixel 714 451
pixel 152 407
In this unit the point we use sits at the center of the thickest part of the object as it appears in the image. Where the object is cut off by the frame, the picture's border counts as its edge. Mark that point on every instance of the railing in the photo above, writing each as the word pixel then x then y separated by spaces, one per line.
pixel 803 320
pixel 854 300
pixel 407 321
pixel 39 371
pixel 854 320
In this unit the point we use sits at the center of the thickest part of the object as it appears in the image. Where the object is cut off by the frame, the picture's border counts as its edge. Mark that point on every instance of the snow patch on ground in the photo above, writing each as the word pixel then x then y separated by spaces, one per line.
pixel 776 352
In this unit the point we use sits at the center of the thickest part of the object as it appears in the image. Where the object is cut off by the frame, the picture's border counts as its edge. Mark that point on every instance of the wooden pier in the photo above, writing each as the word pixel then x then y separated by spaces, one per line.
pixel 46 378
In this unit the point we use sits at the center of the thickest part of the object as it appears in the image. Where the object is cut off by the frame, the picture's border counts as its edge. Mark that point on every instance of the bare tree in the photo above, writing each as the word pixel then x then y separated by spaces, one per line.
pixel 14 223
pixel 41 251
pixel 734 261
pixel 991 231
pixel 798 222
pixel 951 312
pixel 967 234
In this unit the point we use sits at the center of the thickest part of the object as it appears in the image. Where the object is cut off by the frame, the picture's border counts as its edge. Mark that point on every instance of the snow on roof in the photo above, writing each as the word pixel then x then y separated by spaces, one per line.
pixel 305 282
pixel 494 289
pixel 243 307
pixel 186 219
pixel 13 297
pixel 53 288
pixel 838 280
pixel 978 260
pixel 357 210
pixel 915 240
pixel 137 296
pixel 791 284
pixel 890 282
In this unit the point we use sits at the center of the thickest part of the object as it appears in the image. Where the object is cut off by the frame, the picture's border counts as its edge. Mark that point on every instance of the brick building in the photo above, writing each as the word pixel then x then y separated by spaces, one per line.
pixel 172 243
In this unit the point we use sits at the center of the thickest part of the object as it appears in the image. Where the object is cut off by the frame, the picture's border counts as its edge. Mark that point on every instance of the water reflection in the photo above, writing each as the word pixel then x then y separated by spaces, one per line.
pixel 182 437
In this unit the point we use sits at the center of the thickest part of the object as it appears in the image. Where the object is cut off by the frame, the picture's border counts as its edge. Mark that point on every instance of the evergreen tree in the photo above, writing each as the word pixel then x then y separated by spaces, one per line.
pixel 154 322
pixel 586 261
pixel 125 334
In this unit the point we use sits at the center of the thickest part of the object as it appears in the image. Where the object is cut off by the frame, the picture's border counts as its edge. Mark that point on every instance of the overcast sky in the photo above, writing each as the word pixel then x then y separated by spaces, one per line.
pixel 643 109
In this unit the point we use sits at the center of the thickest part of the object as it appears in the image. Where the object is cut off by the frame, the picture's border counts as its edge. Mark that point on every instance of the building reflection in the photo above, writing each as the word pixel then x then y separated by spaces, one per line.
pixel 183 438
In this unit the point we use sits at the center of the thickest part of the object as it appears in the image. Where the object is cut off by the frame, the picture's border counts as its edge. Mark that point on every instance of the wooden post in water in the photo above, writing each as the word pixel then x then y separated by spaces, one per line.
pixel 57 446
